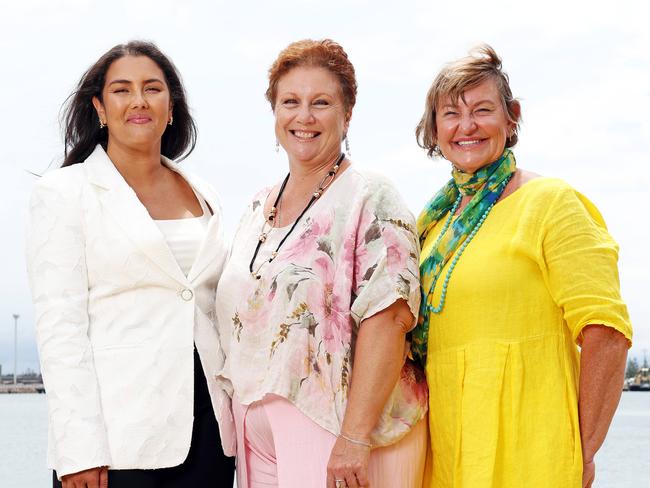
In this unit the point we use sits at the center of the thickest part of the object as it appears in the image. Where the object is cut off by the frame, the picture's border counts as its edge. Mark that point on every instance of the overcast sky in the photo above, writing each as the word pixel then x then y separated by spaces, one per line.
pixel 580 69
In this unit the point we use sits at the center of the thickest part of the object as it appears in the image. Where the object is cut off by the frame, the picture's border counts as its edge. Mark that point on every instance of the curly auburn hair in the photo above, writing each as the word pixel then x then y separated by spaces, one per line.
pixel 323 54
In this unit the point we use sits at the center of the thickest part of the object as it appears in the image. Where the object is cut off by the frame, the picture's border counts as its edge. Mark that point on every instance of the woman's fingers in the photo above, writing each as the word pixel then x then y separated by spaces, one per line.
pixel 90 478
pixel 362 477
pixel 103 478
pixel 337 477
pixel 588 474
pixel 336 480
pixel 348 465
pixel 330 480
pixel 351 480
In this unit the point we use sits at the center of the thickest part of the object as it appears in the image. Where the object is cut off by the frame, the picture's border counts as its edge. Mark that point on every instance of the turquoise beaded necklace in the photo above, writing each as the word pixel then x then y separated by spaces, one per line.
pixel 462 247
pixel 485 186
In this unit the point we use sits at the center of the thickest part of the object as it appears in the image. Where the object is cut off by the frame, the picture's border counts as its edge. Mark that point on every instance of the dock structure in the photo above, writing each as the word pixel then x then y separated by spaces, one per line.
pixel 22 388
pixel 29 382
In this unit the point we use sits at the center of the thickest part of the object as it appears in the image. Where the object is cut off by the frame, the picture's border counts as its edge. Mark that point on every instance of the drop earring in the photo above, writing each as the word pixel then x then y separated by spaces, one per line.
pixel 101 124
pixel 277 146
pixel 347 145
pixel 171 119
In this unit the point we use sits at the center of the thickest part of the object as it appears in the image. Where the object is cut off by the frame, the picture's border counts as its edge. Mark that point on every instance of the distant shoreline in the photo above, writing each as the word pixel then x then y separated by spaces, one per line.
pixel 22 388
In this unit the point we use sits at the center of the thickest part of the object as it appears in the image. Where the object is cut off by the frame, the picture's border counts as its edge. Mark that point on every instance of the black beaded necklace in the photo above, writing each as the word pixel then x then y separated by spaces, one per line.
pixel 325 182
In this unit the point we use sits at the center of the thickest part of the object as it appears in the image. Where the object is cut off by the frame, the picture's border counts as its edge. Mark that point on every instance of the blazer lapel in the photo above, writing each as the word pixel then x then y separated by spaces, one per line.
pixel 121 202
pixel 212 246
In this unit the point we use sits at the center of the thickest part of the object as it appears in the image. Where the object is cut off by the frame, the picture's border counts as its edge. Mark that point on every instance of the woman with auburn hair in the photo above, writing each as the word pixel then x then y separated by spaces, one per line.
pixel 517 271
pixel 124 252
pixel 316 299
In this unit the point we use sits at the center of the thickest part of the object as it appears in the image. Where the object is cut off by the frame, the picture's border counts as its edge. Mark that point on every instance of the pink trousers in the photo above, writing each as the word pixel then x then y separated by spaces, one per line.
pixel 279 446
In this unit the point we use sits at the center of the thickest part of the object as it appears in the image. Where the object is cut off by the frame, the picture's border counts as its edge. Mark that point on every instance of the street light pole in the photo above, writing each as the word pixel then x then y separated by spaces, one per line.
pixel 15 345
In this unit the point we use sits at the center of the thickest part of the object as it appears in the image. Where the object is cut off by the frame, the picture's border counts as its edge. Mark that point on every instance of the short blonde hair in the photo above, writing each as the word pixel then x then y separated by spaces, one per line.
pixel 324 53
pixel 454 79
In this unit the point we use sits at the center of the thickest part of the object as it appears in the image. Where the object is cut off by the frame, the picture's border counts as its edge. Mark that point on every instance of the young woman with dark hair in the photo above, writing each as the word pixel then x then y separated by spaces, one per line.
pixel 81 120
pixel 124 254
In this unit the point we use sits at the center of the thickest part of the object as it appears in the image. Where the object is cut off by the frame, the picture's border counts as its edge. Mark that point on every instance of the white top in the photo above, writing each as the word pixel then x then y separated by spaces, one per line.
pixel 184 236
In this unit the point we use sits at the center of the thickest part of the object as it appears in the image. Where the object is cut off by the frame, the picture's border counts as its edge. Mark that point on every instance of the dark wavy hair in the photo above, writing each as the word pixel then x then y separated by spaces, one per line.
pixel 80 121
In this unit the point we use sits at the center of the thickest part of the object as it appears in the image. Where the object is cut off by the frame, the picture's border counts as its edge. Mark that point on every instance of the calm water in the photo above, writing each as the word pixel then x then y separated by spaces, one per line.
pixel 623 461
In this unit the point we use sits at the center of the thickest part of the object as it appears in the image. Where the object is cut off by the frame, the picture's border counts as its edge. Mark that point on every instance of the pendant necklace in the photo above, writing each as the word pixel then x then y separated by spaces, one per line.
pixel 273 214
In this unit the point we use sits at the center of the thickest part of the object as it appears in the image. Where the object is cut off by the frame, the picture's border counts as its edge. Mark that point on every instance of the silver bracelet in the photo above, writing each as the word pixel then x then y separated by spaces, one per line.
pixel 355 441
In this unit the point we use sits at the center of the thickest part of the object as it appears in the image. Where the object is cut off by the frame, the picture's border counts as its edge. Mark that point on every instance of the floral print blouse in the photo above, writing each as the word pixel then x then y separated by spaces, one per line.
pixel 292 332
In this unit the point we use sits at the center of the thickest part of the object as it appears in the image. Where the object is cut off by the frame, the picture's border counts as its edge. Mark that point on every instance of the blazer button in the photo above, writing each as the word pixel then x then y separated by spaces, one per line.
pixel 187 294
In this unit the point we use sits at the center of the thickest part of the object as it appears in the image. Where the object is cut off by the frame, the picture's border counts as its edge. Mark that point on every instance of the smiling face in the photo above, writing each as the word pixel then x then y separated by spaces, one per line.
pixel 472 132
pixel 310 115
pixel 136 103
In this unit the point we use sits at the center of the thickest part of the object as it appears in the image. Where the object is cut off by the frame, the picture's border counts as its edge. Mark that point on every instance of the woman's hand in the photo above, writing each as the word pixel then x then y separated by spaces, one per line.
pixel 348 465
pixel 588 474
pixel 89 478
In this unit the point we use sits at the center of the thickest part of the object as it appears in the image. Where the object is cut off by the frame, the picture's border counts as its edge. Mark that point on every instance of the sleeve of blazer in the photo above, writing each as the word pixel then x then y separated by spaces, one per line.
pixel 59 284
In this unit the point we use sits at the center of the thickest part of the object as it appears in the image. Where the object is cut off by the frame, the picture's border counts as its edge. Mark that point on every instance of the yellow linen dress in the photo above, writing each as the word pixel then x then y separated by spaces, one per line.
pixel 502 362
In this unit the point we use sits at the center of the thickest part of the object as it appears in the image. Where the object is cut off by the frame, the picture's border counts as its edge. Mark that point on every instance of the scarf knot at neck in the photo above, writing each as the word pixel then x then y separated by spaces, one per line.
pixel 470 183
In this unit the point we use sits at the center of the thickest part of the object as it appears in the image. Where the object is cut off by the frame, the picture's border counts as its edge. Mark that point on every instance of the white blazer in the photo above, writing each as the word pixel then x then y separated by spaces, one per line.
pixel 117 320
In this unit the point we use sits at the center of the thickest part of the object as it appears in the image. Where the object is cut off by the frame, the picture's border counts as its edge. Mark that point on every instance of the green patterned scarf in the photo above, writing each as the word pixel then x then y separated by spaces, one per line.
pixel 486 185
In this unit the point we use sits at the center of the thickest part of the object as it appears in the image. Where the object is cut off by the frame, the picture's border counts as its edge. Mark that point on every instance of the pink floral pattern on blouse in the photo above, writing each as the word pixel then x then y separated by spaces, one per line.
pixel 291 333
